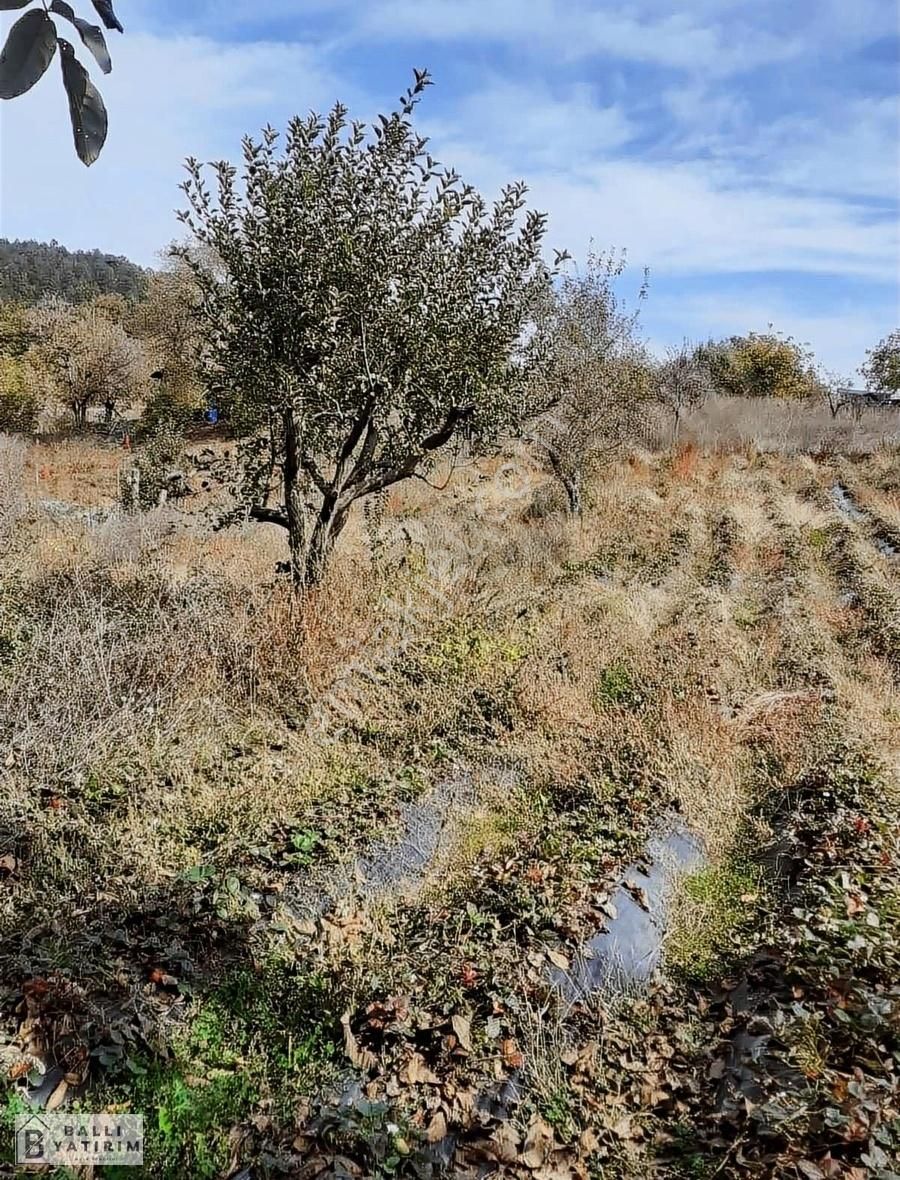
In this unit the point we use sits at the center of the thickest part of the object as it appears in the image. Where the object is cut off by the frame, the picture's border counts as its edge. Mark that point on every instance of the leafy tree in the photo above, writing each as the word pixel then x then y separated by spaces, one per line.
pixel 15 331
pixel 19 403
pixel 167 324
pixel 366 309
pixel 87 358
pixel 761 364
pixel 683 383
pixel 589 379
pixel 31 47
pixel 882 368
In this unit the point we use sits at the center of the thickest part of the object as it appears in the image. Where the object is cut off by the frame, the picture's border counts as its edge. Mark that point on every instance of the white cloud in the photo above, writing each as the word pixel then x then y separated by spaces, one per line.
pixel 565 30
pixel 167 99
pixel 533 126
pixel 717 190
pixel 839 337
pixel 855 151
pixel 690 218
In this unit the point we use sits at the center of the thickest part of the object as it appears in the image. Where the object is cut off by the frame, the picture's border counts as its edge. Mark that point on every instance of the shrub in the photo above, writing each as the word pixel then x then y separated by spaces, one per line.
pixel 761 364
pixel 18 401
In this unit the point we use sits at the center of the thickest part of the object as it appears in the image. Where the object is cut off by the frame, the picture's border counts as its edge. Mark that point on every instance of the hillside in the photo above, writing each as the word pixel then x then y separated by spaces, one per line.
pixel 527 847
pixel 30 271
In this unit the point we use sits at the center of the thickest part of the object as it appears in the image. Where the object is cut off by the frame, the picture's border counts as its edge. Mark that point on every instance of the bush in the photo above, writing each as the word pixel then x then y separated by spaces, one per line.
pixel 18 402
pixel 761 364
pixel 169 409
pixel 156 470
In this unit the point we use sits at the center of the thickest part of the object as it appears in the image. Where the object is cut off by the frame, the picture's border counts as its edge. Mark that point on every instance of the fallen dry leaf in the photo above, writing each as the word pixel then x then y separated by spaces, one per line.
pixel 810 1170
pixel 468 975
pixel 505 1143
pixel 462 1026
pixel 589 1141
pixel 437 1128
pixel 416 1072
pixel 8 863
pixel 58 1097
pixel 512 1056
pixel 538 1143
pixel 361 1058
pixel 855 904
pixel 639 895
pixel 624 1128
pixel 558 959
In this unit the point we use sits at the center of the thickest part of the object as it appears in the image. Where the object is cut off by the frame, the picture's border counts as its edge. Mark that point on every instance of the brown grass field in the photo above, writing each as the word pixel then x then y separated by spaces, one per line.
pixel 206 783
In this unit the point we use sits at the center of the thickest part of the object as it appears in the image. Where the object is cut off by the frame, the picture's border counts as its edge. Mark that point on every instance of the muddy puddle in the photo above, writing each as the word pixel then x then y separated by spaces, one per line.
pixel 846 505
pixel 393 863
pixel 627 952
pixel 428 827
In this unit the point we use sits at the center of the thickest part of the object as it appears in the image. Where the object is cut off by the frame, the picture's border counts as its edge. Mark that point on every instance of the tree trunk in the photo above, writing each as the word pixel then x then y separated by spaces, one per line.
pixel 79 412
pixel 571 481
pixel 293 500
pixel 108 411
pixel 327 529
pixel 572 484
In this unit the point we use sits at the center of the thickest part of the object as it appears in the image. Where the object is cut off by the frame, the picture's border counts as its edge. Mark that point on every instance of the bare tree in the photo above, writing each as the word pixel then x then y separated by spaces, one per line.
pixel 589 376
pixel 683 383
pixel 86 358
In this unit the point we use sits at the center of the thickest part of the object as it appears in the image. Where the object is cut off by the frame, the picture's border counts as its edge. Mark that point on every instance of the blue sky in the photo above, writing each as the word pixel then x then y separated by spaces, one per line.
pixel 748 153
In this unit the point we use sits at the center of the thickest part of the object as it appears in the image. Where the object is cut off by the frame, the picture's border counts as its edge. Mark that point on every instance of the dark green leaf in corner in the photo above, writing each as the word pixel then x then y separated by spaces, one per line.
pixel 9 5
pixel 28 51
pixel 91 35
pixel 106 14
pixel 89 122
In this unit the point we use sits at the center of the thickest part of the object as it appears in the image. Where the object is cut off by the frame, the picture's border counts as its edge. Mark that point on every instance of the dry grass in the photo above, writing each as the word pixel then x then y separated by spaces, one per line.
pixel 167 704
pixel 770 425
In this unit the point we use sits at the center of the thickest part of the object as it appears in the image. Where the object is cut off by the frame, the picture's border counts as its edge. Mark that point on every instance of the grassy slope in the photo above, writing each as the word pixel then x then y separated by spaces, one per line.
pixel 193 762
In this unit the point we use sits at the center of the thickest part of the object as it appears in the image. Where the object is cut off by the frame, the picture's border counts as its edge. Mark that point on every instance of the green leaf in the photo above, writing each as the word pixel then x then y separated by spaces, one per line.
pixel 9 5
pixel 89 121
pixel 91 35
pixel 28 52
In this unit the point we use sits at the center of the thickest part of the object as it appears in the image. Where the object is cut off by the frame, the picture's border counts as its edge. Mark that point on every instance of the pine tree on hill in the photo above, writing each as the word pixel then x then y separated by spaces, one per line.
pixel 30 271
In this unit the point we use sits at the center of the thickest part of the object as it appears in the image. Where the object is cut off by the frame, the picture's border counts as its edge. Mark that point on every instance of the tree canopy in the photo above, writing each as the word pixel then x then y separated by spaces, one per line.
pixel 589 376
pixel 882 367
pixel 86 357
pixel 760 364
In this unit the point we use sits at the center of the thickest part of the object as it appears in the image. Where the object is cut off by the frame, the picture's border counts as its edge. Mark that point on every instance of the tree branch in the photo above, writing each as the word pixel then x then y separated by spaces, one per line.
pixel 269 515
pixel 440 437
pixel 363 419
pixel 405 470
pixel 553 455
pixel 309 466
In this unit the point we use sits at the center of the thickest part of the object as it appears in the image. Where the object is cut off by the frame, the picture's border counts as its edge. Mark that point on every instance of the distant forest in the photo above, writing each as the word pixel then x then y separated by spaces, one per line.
pixel 30 271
